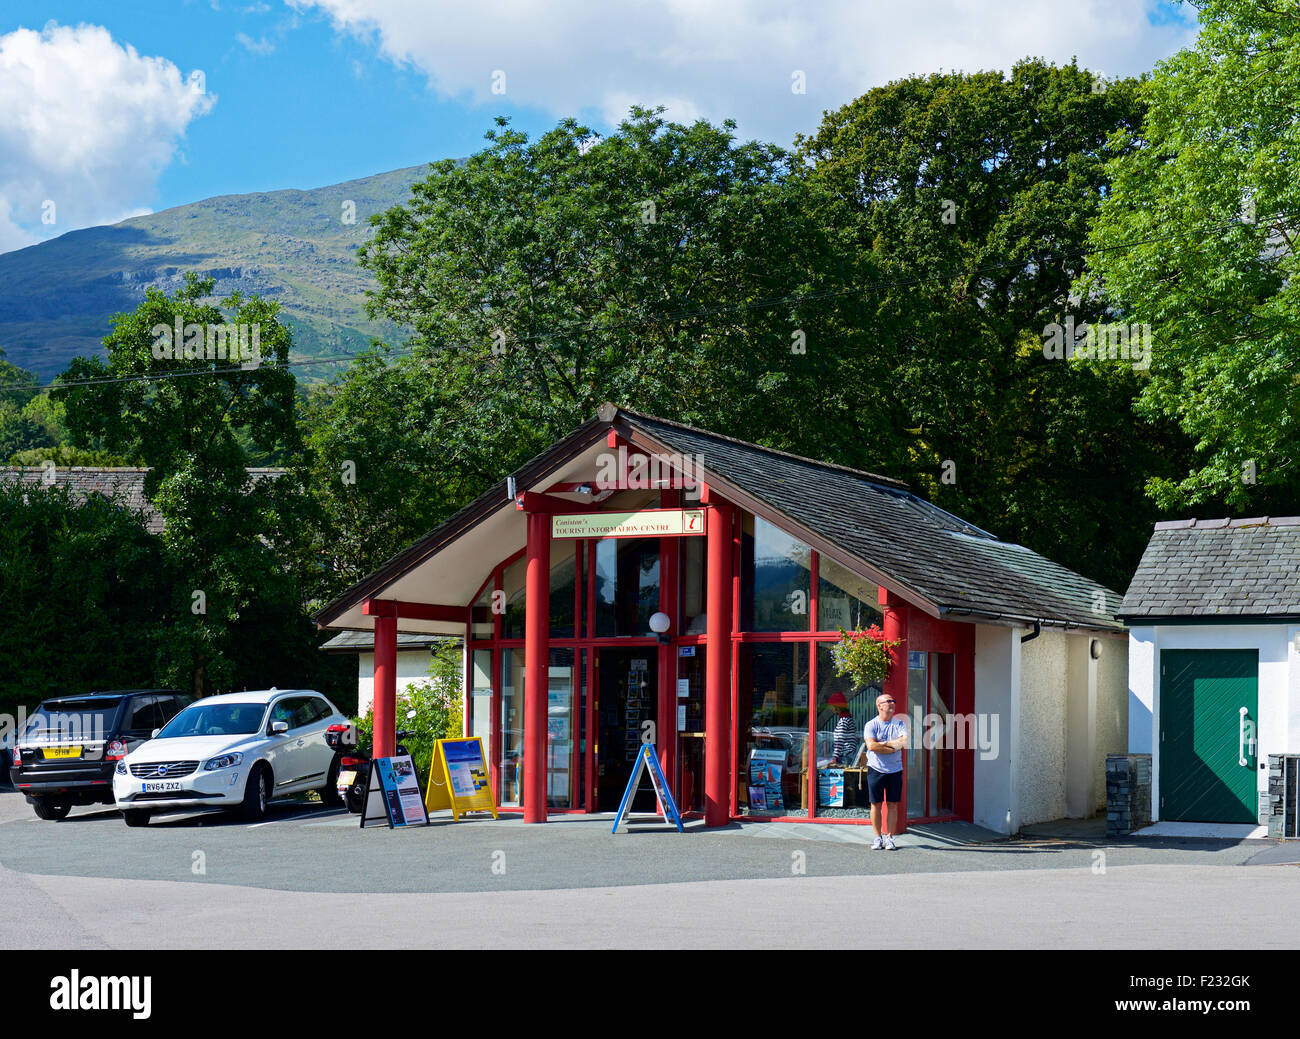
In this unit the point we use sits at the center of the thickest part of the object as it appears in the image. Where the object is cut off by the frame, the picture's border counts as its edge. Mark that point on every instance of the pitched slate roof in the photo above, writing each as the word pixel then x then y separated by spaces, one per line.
pixel 123 483
pixel 870 523
pixel 1218 568
pixel 364 641
pixel 959 569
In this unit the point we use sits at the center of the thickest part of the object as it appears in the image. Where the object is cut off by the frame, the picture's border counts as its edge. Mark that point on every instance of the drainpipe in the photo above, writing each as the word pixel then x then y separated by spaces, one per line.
pixel 1038 630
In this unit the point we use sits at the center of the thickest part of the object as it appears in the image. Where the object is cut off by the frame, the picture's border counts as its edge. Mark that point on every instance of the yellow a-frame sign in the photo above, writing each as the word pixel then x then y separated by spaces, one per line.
pixel 458 778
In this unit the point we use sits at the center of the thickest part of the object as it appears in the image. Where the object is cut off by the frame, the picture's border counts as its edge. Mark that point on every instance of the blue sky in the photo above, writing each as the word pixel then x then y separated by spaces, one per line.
pixel 99 113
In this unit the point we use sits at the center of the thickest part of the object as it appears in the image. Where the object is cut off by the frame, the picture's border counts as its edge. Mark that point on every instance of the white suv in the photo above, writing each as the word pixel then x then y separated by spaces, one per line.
pixel 236 751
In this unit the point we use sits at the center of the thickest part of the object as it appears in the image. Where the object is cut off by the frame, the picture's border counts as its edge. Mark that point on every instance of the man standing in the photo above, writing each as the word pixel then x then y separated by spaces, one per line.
pixel 886 737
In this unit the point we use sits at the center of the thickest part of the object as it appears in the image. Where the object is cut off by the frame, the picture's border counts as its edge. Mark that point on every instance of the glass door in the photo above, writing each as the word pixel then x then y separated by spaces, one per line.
pixel 628 693
pixel 931 756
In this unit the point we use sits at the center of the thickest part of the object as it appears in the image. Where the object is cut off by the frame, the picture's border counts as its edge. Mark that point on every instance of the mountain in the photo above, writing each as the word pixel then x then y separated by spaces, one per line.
pixel 56 297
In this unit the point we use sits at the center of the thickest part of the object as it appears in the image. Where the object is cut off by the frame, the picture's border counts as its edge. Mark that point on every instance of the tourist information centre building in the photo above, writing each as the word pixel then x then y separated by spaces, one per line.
pixel 643 580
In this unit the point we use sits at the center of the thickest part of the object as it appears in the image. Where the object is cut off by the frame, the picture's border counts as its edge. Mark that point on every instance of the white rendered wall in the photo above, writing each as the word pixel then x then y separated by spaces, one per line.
pixel 1111 673
pixel 1039 744
pixel 412 666
pixel 997 678
pixel 1080 727
pixel 1279 712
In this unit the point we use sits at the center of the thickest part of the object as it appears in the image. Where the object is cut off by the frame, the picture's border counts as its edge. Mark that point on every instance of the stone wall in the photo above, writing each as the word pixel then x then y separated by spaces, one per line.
pixel 1279 825
pixel 1128 793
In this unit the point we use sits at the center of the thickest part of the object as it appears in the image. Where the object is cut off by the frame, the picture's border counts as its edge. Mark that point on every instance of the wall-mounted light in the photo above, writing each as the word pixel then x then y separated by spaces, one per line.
pixel 659 624
pixel 1094 649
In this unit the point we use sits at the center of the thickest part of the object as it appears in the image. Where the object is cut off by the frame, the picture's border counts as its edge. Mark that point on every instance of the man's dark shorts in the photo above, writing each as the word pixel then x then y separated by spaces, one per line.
pixel 884 786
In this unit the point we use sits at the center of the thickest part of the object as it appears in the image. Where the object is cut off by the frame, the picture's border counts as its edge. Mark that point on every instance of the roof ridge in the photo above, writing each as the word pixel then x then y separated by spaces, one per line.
pixel 889 481
pixel 1222 522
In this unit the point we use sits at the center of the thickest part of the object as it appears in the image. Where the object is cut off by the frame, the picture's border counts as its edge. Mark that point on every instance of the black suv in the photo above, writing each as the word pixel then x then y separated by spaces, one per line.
pixel 71 745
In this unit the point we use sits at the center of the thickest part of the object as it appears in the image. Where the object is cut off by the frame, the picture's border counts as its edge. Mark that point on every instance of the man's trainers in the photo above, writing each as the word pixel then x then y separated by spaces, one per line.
pixel 880 843
pixel 889 844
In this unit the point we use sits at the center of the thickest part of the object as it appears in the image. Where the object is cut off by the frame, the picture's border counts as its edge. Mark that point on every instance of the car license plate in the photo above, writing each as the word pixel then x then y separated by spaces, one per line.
pixel 346 779
pixel 62 752
pixel 153 788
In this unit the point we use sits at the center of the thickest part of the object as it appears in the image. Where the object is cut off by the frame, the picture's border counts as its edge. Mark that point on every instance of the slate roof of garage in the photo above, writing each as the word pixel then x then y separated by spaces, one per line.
pixel 1218 568
pixel 364 641
pixel 870 523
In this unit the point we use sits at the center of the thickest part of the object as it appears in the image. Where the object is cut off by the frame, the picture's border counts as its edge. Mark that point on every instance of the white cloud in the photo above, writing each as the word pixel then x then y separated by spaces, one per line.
pixel 86 124
pixel 736 58
pixel 261 46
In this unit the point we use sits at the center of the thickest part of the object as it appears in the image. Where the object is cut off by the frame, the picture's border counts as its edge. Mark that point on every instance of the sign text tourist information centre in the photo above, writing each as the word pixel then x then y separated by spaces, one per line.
pixel 648 523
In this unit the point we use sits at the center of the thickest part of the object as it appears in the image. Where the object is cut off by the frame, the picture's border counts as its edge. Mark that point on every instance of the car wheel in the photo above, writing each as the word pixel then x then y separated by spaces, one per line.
pixel 256 794
pixel 329 793
pixel 136 816
pixel 52 808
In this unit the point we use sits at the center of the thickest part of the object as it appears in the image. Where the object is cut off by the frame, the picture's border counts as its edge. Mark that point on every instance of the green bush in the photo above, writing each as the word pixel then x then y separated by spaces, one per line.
pixel 439 709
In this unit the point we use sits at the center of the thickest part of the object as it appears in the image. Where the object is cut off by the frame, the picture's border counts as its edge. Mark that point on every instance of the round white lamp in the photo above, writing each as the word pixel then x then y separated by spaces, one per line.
pixel 660 623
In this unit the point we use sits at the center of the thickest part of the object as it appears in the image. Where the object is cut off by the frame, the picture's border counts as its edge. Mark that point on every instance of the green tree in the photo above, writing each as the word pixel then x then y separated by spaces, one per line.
pixel 20 429
pixel 540 278
pixel 83 595
pixel 963 201
pixel 234 542
pixel 1197 239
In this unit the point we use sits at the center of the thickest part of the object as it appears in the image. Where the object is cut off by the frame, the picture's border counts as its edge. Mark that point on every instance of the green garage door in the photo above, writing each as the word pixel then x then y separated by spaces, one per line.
pixel 1205 736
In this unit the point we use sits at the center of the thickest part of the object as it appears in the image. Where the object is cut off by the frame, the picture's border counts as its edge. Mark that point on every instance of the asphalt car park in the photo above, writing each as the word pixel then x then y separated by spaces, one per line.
pixel 302 845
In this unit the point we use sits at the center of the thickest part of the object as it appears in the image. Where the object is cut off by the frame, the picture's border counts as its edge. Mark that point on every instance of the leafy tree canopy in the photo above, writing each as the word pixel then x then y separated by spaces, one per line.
pixel 1197 239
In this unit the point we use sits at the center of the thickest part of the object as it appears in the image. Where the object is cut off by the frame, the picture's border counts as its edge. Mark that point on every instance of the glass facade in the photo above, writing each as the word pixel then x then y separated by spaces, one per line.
pixel 693 584
pixel 845 600
pixel 480 704
pixel 512 587
pixel 510 764
pixel 561 730
pixel 773 727
pixel 627 585
pixel 776 578
pixel 931 760
pixel 783 671
pixel 563 605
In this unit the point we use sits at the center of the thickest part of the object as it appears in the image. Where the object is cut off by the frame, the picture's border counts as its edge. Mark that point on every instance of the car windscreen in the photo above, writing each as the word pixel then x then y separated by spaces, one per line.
pixel 215 719
pixel 72 720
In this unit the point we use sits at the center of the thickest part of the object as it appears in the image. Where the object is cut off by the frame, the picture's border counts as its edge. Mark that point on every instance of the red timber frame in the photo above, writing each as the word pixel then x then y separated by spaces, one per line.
pixel 917 630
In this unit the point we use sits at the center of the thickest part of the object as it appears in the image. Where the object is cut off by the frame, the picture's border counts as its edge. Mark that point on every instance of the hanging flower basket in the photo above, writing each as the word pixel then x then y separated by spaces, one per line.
pixel 864 656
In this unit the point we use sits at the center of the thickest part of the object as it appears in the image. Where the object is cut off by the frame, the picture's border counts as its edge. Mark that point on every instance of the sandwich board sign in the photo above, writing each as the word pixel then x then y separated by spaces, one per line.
pixel 393 793
pixel 458 778
pixel 647 760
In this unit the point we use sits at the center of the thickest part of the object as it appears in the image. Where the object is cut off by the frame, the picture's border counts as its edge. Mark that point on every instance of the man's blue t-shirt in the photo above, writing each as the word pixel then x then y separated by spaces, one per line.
pixel 883 732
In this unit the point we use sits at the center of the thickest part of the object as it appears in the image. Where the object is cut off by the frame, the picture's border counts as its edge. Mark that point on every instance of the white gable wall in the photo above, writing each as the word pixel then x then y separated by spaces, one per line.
pixel 1279 686
pixel 412 666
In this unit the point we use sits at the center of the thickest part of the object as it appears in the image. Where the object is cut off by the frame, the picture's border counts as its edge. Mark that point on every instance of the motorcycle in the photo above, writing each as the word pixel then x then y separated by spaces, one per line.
pixel 354 762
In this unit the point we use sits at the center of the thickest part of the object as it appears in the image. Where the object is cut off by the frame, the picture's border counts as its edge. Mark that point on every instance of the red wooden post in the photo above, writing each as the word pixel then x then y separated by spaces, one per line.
pixel 385 685
pixel 537 632
pixel 666 731
pixel 717 686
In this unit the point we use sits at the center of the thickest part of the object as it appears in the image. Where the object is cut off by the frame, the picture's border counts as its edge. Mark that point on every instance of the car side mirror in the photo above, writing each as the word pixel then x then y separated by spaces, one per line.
pixel 278 727
pixel 154 734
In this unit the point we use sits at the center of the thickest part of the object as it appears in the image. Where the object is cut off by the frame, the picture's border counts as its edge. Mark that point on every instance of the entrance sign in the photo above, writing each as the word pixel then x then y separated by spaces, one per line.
pixel 648 523
pixel 646 759
pixel 458 778
pixel 393 793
